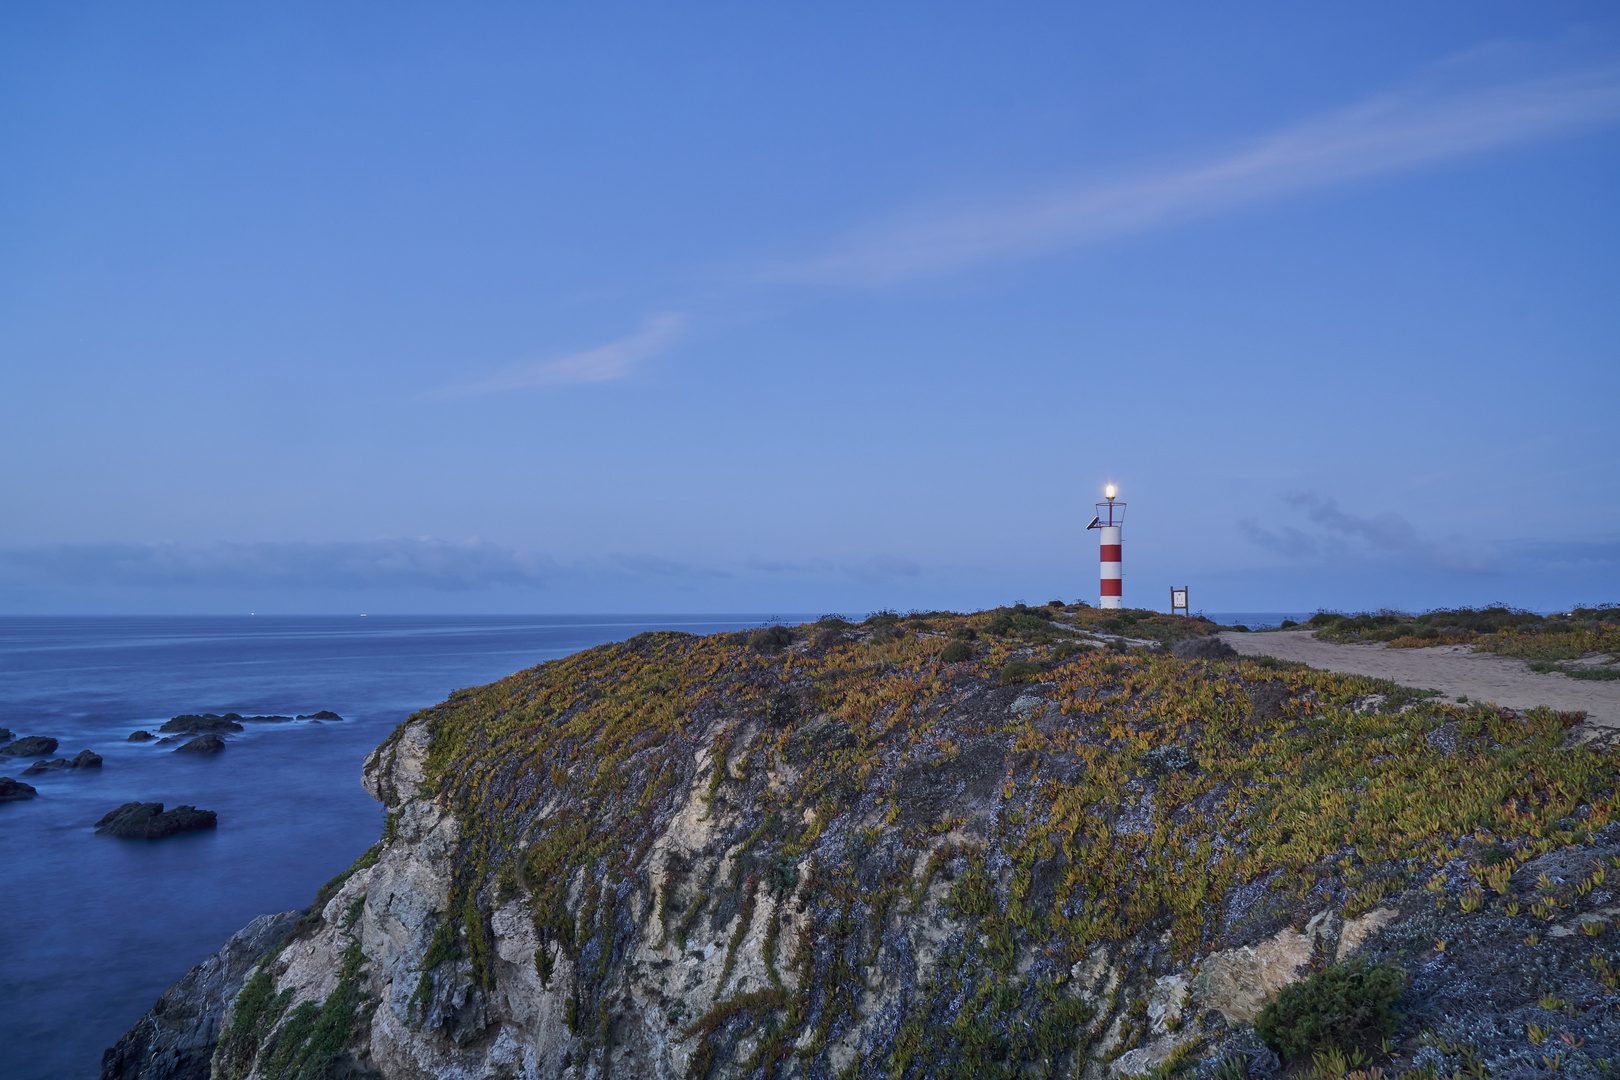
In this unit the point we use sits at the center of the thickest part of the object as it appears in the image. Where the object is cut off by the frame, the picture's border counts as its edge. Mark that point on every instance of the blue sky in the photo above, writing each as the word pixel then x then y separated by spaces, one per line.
pixel 628 307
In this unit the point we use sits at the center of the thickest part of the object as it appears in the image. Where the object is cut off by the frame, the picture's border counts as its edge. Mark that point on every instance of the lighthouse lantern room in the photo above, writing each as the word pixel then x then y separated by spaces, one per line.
pixel 1110 516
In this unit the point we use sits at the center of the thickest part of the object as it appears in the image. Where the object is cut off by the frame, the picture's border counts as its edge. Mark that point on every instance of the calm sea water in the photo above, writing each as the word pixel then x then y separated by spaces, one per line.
pixel 1256 620
pixel 92 929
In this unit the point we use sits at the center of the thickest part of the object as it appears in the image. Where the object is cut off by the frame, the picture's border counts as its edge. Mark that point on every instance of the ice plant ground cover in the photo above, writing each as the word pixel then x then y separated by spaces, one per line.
pixel 1161 807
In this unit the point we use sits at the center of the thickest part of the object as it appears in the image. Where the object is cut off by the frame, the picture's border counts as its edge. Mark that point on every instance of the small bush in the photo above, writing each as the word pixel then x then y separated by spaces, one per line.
pixel 1287 624
pixel 1065 649
pixel 955 651
pixel 827 638
pixel 1346 1005
pixel 1019 671
pixel 770 639
pixel 882 618
pixel 1203 648
pixel 965 633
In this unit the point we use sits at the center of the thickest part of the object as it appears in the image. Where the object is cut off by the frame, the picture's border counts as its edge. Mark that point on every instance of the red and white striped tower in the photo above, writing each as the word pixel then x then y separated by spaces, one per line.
pixel 1110 516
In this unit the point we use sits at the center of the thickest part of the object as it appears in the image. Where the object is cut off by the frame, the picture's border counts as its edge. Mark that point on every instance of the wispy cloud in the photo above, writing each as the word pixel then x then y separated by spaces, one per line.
pixel 604 363
pixel 1340 535
pixel 425 563
pixel 1389 133
pixel 391 563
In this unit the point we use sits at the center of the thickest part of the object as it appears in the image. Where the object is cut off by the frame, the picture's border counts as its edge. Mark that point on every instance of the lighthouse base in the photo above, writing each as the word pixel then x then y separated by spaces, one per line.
pixel 1111 602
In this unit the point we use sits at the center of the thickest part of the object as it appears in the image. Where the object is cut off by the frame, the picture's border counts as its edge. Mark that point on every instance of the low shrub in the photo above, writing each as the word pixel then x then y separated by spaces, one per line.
pixel 881 618
pixel 955 651
pixel 769 639
pixel 1019 671
pixel 1203 648
pixel 964 633
pixel 1065 649
pixel 1346 1005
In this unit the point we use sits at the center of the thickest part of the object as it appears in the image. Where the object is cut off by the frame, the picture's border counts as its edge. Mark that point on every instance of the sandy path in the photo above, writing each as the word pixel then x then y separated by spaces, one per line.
pixel 1454 670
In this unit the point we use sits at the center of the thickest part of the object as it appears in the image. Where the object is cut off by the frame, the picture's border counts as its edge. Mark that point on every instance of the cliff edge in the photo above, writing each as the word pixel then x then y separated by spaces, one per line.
pixel 947 845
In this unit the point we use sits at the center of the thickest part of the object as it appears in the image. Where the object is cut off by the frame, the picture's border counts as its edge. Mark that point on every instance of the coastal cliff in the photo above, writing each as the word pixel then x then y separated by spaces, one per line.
pixel 1017 842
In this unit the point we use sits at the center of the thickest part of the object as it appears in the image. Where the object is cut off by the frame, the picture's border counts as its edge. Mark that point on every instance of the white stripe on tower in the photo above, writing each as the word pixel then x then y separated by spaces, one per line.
pixel 1113 585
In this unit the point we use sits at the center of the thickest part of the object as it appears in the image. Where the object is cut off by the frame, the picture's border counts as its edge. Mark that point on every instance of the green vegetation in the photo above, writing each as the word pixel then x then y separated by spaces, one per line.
pixel 1183 779
pixel 310 1042
pixel 1345 1007
pixel 1508 631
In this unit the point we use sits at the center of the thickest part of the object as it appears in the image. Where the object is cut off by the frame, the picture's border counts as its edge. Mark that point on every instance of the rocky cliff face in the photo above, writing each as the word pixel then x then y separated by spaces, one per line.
pixel 176 1039
pixel 690 857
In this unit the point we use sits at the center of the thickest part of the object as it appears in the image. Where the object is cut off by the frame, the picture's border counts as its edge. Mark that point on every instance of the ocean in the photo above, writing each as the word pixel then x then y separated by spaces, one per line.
pixel 95 928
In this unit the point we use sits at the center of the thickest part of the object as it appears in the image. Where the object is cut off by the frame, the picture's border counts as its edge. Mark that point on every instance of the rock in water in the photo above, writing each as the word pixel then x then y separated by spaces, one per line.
pixel 176 1039
pixel 202 744
pixel 148 821
pixel 46 766
pixel 30 746
pixel 5 734
pixel 1203 648
pixel 324 714
pixel 15 790
pixel 141 736
pixel 200 722
pixel 85 759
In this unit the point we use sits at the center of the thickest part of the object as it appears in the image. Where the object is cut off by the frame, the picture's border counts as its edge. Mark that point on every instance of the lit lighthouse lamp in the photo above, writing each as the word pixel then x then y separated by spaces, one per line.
pixel 1110 516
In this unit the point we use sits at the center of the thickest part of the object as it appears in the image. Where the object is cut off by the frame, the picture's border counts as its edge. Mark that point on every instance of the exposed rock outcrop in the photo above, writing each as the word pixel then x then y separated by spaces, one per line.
pixel 149 821
pixel 15 790
pixel 202 744
pixel 141 735
pixel 200 722
pixel 30 746
pixel 176 1039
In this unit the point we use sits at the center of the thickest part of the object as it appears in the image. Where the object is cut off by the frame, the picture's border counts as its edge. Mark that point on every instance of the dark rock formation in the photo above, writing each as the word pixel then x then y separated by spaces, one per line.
pixel 203 722
pixel 15 790
pixel 148 821
pixel 324 714
pixel 5 734
pixel 85 759
pixel 45 766
pixel 202 744
pixel 1203 648
pixel 141 736
pixel 30 746
pixel 176 1039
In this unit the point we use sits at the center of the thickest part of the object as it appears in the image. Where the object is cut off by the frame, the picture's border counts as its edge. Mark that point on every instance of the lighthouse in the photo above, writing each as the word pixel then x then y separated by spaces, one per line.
pixel 1110 516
